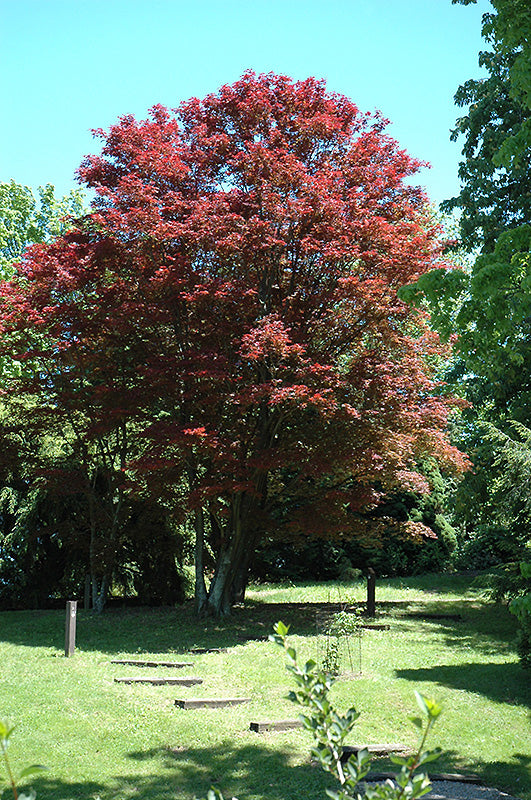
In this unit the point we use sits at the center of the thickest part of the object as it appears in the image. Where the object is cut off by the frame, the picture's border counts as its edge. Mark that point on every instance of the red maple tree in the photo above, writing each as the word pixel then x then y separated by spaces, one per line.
pixel 231 306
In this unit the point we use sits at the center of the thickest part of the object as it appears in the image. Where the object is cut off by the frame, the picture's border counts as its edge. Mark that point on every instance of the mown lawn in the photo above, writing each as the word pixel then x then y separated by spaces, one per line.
pixel 106 740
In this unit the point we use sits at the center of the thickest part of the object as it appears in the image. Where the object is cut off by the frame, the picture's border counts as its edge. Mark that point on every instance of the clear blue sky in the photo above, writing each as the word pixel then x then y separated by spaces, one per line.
pixel 68 66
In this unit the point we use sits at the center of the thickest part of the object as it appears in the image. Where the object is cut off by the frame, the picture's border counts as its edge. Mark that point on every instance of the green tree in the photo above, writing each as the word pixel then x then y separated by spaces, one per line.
pixel 488 305
pixel 51 538
pixel 511 492
pixel 511 29
pixel 491 196
pixel 496 183
pixel 24 221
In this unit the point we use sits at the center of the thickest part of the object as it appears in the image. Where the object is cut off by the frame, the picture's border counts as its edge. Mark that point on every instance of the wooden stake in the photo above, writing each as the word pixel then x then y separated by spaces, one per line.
pixel 371 592
pixel 70 633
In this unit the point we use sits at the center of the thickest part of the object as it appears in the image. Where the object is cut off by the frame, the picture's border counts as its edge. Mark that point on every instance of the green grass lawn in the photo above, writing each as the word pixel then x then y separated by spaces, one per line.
pixel 106 740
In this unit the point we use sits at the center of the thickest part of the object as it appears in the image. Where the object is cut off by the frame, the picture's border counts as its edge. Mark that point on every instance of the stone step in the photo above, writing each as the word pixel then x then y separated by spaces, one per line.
pixel 205 702
pixel 161 681
pixel 201 650
pixel 281 725
pixel 171 664
pixel 373 749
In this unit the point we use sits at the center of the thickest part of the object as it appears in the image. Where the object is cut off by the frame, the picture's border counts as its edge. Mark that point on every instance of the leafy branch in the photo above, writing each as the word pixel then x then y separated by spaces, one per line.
pixel 330 730
pixel 5 733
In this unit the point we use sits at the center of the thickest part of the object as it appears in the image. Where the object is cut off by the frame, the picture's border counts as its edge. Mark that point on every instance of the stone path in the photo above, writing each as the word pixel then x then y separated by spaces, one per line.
pixel 456 790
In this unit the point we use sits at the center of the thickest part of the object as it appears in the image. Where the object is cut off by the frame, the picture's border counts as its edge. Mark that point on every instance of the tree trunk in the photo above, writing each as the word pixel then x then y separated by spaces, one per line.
pixel 248 541
pixel 241 577
pixel 200 587
pixel 219 592
pixel 103 541
pixel 100 587
pixel 230 579
pixel 238 541
pixel 86 592
pixel 239 584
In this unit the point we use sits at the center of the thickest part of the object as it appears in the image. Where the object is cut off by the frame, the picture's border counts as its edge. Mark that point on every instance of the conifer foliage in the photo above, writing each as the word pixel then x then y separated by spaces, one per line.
pixel 226 319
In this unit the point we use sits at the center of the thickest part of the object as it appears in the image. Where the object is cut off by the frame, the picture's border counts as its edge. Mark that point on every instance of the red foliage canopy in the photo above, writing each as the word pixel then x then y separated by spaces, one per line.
pixel 232 298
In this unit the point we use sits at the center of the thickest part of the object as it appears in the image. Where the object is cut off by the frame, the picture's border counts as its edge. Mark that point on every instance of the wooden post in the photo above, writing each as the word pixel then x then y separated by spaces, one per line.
pixel 371 592
pixel 70 635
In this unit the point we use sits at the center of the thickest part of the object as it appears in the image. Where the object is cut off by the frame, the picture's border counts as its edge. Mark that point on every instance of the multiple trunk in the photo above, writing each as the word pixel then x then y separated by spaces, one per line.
pixel 105 507
pixel 238 541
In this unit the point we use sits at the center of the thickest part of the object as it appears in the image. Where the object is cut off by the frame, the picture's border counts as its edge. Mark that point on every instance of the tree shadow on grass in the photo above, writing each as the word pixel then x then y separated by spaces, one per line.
pixel 513 777
pixel 130 629
pixel 155 630
pixel 486 628
pixel 249 771
pixel 504 683
pixel 468 622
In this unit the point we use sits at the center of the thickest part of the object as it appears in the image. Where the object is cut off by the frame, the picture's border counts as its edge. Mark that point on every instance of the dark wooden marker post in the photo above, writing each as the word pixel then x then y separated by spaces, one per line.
pixel 70 635
pixel 371 592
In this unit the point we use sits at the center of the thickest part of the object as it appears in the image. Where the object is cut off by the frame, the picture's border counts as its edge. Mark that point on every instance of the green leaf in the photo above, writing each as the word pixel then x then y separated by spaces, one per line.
pixel 281 629
pixel 32 770
pixel 352 715
pixel 5 730
pixel 420 785
pixel 421 700
pixel 417 722
pixel 430 755
pixel 430 707
pixel 525 569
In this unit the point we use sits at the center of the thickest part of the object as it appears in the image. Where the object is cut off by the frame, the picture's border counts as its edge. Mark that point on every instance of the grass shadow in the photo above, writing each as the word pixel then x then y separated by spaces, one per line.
pixel 504 683
pixel 152 630
pixel 488 628
pixel 463 622
pixel 501 775
pixel 249 771
pixel 505 775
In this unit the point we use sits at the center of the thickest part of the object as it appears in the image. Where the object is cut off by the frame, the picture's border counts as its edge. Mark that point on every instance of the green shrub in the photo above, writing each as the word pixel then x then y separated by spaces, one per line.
pixel 489 546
